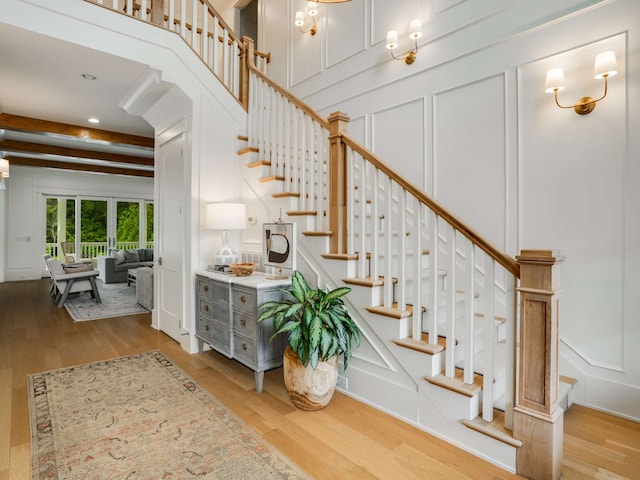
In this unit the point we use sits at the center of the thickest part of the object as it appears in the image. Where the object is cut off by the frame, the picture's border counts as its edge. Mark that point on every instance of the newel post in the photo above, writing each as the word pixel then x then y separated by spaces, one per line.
pixel 537 416
pixel 246 56
pixel 337 183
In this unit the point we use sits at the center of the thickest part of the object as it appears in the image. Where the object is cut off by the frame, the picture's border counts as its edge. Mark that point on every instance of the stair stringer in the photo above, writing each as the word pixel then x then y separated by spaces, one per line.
pixel 438 411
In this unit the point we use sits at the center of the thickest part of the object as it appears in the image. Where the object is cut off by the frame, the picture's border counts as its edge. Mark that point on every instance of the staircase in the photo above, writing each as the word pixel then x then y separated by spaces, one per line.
pixel 436 302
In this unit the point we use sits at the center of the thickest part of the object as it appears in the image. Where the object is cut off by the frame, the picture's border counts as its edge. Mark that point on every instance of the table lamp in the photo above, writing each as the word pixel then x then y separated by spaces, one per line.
pixel 226 217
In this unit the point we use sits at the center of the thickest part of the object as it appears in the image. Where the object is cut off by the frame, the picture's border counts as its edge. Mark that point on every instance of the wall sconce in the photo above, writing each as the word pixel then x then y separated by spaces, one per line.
pixel 225 217
pixel 312 11
pixel 392 41
pixel 605 66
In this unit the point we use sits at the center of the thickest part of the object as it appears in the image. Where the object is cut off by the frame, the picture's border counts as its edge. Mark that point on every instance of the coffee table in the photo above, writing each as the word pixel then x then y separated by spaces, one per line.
pixel 132 275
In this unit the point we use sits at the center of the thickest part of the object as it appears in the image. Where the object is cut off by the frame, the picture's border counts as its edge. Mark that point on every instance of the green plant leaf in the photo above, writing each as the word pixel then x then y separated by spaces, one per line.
pixel 337 293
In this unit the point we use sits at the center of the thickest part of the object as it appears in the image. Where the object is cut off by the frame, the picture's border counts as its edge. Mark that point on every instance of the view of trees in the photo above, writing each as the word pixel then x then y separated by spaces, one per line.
pixel 93 220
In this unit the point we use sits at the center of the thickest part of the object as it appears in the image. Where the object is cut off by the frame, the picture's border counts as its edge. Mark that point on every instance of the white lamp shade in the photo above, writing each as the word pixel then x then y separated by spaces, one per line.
pixel 312 9
pixel 416 29
pixel 299 22
pixel 555 80
pixel 4 167
pixel 605 65
pixel 392 40
pixel 226 216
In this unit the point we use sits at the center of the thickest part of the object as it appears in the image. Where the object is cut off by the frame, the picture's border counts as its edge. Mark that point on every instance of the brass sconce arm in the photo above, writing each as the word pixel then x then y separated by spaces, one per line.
pixel 410 57
pixel 586 104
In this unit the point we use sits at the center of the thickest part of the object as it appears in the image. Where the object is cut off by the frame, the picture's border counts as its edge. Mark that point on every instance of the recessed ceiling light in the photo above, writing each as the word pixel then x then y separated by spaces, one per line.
pixel 88 76
pixel 94 120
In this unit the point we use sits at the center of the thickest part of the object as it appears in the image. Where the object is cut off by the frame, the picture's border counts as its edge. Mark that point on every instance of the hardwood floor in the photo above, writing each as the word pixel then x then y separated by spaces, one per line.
pixel 347 440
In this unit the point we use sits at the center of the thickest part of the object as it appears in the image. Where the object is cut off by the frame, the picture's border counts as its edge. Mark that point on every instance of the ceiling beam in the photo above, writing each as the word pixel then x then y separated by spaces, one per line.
pixel 34 162
pixel 16 122
pixel 17 147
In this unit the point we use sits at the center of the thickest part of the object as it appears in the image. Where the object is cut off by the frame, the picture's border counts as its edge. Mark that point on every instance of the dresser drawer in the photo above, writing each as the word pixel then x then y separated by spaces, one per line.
pixel 245 324
pixel 244 300
pixel 213 291
pixel 245 350
pixel 216 334
pixel 213 310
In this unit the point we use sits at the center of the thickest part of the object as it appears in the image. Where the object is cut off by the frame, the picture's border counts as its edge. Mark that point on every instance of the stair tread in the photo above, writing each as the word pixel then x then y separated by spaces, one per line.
pixel 285 194
pixel 300 213
pixel 246 150
pixel 422 345
pixel 317 233
pixel 367 281
pixel 393 311
pixel 259 163
pixel 340 256
pixel 457 384
pixel 272 178
pixel 494 429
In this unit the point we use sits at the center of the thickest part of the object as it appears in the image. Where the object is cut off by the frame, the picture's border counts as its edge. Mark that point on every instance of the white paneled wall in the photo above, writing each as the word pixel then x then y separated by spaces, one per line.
pixel 469 154
pixel 470 122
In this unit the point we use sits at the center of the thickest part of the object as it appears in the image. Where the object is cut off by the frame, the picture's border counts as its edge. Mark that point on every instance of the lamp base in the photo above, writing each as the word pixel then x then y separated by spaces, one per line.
pixel 225 256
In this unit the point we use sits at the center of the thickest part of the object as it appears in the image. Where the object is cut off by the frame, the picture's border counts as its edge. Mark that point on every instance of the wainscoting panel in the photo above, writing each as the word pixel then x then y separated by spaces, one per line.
pixel 398 138
pixel 344 28
pixel 469 154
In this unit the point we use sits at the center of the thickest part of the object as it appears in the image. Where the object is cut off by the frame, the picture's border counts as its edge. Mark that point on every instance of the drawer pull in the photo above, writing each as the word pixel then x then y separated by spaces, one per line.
pixel 206 308
pixel 243 299
pixel 244 346
pixel 206 287
pixel 206 327
pixel 243 322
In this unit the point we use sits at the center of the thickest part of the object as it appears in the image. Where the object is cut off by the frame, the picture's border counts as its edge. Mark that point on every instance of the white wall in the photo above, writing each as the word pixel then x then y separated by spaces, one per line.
pixel 469 122
pixel 26 212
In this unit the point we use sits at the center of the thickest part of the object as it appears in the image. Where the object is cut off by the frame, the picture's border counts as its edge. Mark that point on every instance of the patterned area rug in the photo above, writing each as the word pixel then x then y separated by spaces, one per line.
pixel 141 417
pixel 117 300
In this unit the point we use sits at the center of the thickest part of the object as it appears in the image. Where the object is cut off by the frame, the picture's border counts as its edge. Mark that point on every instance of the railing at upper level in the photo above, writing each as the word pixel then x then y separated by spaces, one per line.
pixel 203 29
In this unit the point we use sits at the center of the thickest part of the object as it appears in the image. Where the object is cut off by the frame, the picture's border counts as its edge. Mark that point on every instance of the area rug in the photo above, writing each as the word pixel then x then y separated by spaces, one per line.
pixel 141 417
pixel 117 300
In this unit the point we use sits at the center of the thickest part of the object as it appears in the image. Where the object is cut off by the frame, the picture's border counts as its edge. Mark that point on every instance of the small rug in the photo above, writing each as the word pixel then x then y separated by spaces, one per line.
pixel 117 300
pixel 141 417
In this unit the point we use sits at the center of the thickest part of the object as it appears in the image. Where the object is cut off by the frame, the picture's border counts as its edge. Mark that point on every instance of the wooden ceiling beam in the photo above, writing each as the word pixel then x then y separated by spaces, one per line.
pixel 16 122
pixel 83 167
pixel 15 146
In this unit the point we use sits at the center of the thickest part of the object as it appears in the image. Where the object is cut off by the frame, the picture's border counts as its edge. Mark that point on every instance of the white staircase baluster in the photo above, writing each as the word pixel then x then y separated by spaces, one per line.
pixel 235 58
pixel 286 157
pixel 194 25
pixel 362 224
pixel 205 35
pixel 388 234
pixel 225 58
pixel 143 10
pixel 402 251
pixel 469 313
pixel 489 338
pixel 418 269
pixel 450 357
pixel 297 149
pixel 172 15
pixel 375 224
pixel 130 7
pixel 215 64
pixel 432 296
pixel 511 341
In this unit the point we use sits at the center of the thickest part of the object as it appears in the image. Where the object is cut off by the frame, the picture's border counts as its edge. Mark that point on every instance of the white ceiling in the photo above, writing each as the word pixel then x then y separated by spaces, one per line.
pixel 41 78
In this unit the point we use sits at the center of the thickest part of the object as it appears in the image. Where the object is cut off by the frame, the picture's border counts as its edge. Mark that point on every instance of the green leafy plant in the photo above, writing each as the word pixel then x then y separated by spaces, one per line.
pixel 317 323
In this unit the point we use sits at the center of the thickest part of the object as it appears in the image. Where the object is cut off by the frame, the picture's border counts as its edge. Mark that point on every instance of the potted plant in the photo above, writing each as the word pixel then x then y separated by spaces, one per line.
pixel 319 328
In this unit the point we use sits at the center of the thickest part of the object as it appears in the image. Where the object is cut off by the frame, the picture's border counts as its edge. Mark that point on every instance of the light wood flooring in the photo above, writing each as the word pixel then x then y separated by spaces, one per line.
pixel 346 440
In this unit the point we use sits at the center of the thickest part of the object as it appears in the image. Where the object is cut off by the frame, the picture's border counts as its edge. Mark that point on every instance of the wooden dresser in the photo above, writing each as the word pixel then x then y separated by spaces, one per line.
pixel 226 312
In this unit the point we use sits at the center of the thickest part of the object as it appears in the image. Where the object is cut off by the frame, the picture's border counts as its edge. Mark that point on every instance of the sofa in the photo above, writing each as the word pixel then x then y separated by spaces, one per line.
pixel 113 268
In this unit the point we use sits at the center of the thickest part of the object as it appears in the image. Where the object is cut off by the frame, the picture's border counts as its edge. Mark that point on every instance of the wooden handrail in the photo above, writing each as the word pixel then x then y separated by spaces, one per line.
pixel 502 258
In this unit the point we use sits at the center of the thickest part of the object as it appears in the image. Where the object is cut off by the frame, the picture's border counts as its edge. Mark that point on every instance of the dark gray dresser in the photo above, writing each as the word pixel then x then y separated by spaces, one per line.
pixel 226 312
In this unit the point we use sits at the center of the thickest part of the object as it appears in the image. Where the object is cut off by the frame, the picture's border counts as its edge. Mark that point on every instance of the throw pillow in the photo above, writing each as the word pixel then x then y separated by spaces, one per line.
pixel 82 268
pixel 119 256
pixel 131 256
